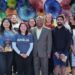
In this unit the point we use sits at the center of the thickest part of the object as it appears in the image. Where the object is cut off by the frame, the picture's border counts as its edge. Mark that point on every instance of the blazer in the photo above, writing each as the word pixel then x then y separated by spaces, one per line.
pixel 43 45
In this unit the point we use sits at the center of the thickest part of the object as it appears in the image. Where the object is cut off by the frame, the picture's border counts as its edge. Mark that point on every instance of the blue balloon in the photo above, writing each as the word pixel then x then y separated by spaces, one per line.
pixel 53 7
pixel 3 5
pixel 21 3
pixel 26 12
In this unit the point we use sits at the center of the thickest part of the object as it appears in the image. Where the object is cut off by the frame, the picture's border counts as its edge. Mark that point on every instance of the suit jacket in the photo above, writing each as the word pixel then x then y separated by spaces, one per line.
pixel 43 45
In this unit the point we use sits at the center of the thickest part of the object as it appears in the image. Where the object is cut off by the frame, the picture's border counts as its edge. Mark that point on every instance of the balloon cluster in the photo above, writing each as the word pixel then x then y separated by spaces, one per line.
pixel 27 9
pixel 24 10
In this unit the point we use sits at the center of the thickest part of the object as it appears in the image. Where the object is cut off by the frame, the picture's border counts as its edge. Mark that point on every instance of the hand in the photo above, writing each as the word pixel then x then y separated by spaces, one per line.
pixel 1 49
pixel 57 55
pixel 73 52
pixel 24 55
pixel 49 55
pixel 73 49
pixel 63 57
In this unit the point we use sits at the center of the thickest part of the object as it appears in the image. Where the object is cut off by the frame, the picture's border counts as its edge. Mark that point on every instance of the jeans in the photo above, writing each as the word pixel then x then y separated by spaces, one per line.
pixel 2 63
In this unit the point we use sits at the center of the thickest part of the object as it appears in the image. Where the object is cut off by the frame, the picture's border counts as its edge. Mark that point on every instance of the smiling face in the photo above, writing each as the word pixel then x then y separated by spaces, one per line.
pixel 48 18
pixel 72 20
pixel 6 24
pixel 39 22
pixel 23 28
pixel 60 21
pixel 14 19
pixel 32 22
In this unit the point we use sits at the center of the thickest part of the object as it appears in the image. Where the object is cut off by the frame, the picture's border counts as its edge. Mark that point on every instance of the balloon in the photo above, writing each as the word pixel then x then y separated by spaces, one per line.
pixel 26 12
pixel 11 3
pixel 2 15
pixel 40 13
pixel 72 2
pixel 37 5
pixel 73 9
pixel 22 3
pixel 66 13
pixel 10 11
pixel 65 4
pixel 52 7
pixel 3 5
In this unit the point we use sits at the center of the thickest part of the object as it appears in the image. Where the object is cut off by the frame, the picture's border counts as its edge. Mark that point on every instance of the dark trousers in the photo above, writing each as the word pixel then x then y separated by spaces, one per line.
pixel 8 60
pixel 14 62
pixel 50 64
pixel 23 65
pixel 32 63
pixel 2 63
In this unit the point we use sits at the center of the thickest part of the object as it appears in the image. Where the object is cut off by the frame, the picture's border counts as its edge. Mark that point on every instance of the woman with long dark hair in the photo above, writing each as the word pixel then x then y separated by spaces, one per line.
pixel 23 45
pixel 32 23
pixel 72 25
pixel 7 38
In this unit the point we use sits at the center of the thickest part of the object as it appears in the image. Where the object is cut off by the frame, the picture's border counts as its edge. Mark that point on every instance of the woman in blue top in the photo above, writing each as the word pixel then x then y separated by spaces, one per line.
pixel 2 57
pixel 23 45
pixel 7 38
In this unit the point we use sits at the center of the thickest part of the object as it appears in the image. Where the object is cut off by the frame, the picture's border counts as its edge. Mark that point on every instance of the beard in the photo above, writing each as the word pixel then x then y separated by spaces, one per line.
pixel 59 24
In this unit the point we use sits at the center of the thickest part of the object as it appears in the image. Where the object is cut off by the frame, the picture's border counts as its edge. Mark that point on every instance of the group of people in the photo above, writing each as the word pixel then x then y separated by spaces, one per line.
pixel 36 46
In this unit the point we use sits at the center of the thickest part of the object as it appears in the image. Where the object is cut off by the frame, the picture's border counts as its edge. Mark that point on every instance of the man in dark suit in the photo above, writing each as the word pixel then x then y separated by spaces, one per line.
pixel 42 47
